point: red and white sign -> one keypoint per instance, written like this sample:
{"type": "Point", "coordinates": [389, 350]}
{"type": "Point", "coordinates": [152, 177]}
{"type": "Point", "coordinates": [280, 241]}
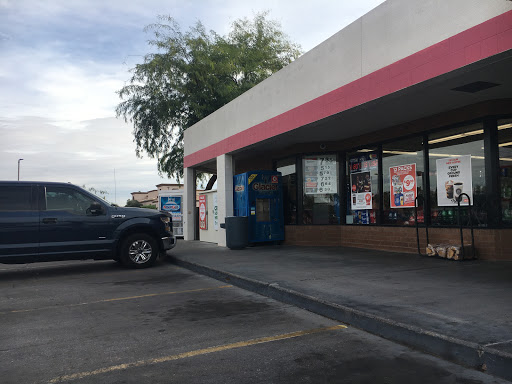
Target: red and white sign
{"type": "Point", "coordinates": [403, 186]}
{"type": "Point", "coordinates": [275, 179]}
{"type": "Point", "coordinates": [203, 213]}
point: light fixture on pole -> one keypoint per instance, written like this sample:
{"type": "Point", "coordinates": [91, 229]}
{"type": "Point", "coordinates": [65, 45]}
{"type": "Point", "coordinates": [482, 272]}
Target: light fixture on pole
{"type": "Point", "coordinates": [19, 169]}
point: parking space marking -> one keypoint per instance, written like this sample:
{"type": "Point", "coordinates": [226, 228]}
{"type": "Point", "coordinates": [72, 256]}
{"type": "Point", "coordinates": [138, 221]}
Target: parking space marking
{"type": "Point", "coordinates": [116, 299]}
{"type": "Point", "coordinates": [197, 352]}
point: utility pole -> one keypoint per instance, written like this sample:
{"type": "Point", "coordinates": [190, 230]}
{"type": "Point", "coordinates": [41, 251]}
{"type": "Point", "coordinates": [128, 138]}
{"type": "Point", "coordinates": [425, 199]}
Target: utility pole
{"type": "Point", "coordinates": [115, 187]}
{"type": "Point", "coordinates": [19, 169]}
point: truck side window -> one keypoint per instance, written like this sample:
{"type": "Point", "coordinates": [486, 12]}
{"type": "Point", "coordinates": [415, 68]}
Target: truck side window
{"type": "Point", "coordinates": [67, 199]}
{"type": "Point", "coordinates": [15, 198]}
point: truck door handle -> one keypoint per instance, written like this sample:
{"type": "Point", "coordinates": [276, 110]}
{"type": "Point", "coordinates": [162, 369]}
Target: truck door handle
{"type": "Point", "coordinates": [52, 220]}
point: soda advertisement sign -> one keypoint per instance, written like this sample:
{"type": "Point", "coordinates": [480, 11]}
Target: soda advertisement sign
{"type": "Point", "coordinates": [172, 204]}
{"type": "Point", "coordinates": [203, 213]}
{"type": "Point", "coordinates": [453, 179]}
{"type": "Point", "coordinates": [404, 186]}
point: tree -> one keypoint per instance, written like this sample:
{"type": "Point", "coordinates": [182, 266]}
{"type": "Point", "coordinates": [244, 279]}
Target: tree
{"type": "Point", "coordinates": [133, 203]}
{"type": "Point", "coordinates": [192, 75]}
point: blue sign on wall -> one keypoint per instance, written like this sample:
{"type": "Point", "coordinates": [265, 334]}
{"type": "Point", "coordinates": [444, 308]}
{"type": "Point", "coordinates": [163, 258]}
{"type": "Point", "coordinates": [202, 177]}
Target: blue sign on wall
{"type": "Point", "coordinates": [171, 204]}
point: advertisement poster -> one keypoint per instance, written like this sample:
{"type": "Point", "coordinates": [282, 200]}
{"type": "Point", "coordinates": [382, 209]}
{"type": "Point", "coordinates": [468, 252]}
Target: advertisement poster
{"type": "Point", "coordinates": [361, 185]}
{"type": "Point", "coordinates": [172, 204]}
{"type": "Point", "coordinates": [215, 213]}
{"type": "Point", "coordinates": [320, 175]}
{"type": "Point", "coordinates": [203, 213]}
{"type": "Point", "coordinates": [454, 178]}
{"type": "Point", "coordinates": [403, 186]}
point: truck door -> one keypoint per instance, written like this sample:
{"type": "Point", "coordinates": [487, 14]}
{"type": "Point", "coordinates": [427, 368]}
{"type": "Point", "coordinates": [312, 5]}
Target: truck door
{"type": "Point", "coordinates": [68, 229]}
{"type": "Point", "coordinates": [19, 221]}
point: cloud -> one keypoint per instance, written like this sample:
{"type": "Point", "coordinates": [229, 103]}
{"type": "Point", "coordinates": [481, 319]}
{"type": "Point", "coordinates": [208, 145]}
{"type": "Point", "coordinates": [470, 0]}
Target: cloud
{"type": "Point", "coordinates": [83, 156]}
{"type": "Point", "coordinates": [63, 61]}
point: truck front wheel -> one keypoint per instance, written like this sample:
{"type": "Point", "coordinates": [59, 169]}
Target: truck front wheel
{"type": "Point", "coordinates": [139, 251]}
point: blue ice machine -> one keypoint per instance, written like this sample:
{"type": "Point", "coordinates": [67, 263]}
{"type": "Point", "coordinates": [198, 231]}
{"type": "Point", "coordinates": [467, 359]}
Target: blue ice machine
{"type": "Point", "coordinates": [259, 195]}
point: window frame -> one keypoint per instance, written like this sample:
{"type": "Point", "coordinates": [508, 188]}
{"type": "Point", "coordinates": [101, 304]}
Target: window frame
{"type": "Point", "coordinates": [491, 161]}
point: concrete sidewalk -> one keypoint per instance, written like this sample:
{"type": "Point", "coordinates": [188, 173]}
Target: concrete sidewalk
{"type": "Point", "coordinates": [461, 311]}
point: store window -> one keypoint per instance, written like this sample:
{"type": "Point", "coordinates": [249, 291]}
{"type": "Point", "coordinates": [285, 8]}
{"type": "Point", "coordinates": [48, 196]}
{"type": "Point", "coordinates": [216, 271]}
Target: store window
{"type": "Point", "coordinates": [457, 171]}
{"type": "Point", "coordinates": [321, 198]}
{"type": "Point", "coordinates": [505, 153]}
{"type": "Point", "coordinates": [362, 186]}
{"type": "Point", "coordinates": [289, 183]}
{"type": "Point", "coordinates": [402, 166]}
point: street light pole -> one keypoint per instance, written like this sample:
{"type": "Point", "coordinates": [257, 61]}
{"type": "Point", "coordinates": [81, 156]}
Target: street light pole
{"type": "Point", "coordinates": [19, 169]}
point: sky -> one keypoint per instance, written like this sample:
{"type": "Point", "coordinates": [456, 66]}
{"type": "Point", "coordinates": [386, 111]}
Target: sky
{"type": "Point", "coordinates": [62, 61]}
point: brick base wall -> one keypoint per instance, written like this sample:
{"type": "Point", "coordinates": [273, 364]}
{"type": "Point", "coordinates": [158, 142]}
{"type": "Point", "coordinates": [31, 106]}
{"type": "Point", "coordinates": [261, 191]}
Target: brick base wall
{"type": "Point", "coordinates": [490, 244]}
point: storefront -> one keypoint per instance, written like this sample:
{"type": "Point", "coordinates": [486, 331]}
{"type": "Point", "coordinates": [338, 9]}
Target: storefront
{"type": "Point", "coordinates": [378, 185]}
{"type": "Point", "coordinates": [369, 124]}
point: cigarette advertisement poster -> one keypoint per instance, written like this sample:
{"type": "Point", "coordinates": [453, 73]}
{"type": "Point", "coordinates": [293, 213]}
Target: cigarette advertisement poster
{"type": "Point", "coordinates": [320, 175]}
{"type": "Point", "coordinates": [203, 216]}
{"type": "Point", "coordinates": [404, 186]}
{"type": "Point", "coordinates": [361, 183]}
{"type": "Point", "coordinates": [454, 178]}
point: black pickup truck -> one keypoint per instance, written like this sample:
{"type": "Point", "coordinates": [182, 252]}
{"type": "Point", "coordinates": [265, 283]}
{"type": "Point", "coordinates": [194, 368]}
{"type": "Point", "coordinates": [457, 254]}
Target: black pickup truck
{"type": "Point", "coordinates": [45, 221]}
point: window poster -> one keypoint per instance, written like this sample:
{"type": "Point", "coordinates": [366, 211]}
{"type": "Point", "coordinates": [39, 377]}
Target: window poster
{"type": "Point", "coordinates": [403, 184]}
{"type": "Point", "coordinates": [361, 183]}
{"type": "Point", "coordinates": [320, 175]}
{"type": "Point", "coordinates": [361, 168]}
{"type": "Point", "coordinates": [453, 179]}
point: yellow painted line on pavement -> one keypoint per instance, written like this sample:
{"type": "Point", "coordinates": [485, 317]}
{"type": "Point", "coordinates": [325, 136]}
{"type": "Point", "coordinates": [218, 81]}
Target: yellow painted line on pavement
{"type": "Point", "coordinates": [116, 299]}
{"type": "Point", "coordinates": [197, 352]}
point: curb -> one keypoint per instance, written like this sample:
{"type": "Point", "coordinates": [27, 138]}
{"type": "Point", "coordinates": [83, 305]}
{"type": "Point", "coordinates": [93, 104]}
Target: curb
{"type": "Point", "coordinates": [468, 354]}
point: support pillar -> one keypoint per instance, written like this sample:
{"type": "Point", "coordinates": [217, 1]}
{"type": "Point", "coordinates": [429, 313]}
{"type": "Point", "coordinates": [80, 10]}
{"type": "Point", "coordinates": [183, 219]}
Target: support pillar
{"type": "Point", "coordinates": [225, 171]}
{"type": "Point", "coordinates": [189, 205]}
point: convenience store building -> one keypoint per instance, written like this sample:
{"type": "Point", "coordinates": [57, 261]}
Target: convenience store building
{"type": "Point", "coordinates": [414, 99]}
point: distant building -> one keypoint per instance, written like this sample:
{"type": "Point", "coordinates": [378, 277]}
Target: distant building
{"type": "Point", "coordinates": [151, 197]}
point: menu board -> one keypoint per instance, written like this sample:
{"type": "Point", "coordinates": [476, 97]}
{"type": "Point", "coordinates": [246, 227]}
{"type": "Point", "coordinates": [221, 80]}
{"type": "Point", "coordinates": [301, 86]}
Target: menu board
{"type": "Point", "coordinates": [403, 186]}
{"type": "Point", "coordinates": [320, 175]}
{"type": "Point", "coordinates": [453, 179]}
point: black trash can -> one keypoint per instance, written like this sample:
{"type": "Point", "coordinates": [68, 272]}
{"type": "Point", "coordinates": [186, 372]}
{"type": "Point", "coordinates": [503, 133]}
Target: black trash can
{"type": "Point", "coordinates": [237, 231]}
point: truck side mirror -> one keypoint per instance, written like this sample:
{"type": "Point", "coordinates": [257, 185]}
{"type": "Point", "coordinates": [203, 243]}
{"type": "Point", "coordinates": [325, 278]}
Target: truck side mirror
{"type": "Point", "coordinates": [95, 208]}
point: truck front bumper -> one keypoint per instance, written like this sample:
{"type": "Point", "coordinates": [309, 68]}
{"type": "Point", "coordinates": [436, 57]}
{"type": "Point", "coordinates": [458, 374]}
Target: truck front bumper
{"type": "Point", "coordinates": [168, 242]}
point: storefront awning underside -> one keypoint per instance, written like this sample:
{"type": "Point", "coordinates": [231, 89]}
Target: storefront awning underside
{"type": "Point", "coordinates": [428, 98]}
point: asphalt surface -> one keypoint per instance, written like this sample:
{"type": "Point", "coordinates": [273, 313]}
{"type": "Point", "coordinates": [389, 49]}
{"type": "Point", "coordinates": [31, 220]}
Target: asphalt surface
{"type": "Point", "coordinates": [97, 322]}
{"type": "Point", "coordinates": [458, 310]}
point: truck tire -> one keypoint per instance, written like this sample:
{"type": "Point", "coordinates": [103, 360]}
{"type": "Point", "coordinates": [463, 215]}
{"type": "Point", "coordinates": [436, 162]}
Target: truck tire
{"type": "Point", "coordinates": [139, 250]}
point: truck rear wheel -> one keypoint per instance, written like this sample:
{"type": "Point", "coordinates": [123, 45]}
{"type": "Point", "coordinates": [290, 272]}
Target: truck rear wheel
{"type": "Point", "coordinates": [139, 251]}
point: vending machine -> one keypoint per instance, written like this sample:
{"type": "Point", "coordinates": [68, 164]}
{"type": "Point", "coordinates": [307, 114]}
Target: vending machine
{"type": "Point", "coordinates": [172, 202]}
{"type": "Point", "coordinates": [259, 195]}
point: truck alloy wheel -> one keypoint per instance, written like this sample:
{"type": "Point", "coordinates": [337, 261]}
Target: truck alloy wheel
{"type": "Point", "coordinates": [139, 251]}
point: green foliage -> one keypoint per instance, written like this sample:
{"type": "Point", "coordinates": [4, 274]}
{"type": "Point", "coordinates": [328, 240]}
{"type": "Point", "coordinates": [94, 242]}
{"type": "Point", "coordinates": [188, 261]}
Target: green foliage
{"type": "Point", "coordinates": [149, 206]}
{"type": "Point", "coordinates": [133, 203]}
{"type": "Point", "coordinates": [192, 75]}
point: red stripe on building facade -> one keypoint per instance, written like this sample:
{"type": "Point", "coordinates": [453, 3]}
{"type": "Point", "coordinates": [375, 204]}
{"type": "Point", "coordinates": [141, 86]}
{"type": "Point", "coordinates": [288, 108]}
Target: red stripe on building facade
{"type": "Point", "coordinates": [477, 43]}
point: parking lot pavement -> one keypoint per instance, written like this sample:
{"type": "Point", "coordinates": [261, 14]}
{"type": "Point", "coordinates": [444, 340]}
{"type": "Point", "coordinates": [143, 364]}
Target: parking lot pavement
{"type": "Point", "coordinates": [91, 322]}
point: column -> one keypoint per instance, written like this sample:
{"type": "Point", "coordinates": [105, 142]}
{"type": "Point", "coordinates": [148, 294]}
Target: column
{"type": "Point", "coordinates": [189, 204]}
{"type": "Point", "coordinates": [224, 193]}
